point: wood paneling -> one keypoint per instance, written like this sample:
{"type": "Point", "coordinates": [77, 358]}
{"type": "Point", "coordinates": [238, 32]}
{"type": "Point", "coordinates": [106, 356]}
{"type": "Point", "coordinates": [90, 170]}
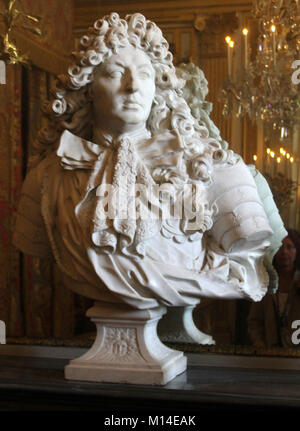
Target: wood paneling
{"type": "Point", "coordinates": [215, 72]}
{"type": "Point", "coordinates": [179, 11]}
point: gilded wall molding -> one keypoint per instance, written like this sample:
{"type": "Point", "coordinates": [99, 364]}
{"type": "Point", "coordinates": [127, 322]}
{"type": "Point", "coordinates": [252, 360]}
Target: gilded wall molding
{"type": "Point", "coordinates": [49, 50]}
{"type": "Point", "coordinates": [161, 12]}
{"type": "Point", "coordinates": [211, 38]}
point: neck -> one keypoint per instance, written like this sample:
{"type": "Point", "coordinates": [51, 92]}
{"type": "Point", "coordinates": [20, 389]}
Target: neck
{"type": "Point", "coordinates": [100, 133]}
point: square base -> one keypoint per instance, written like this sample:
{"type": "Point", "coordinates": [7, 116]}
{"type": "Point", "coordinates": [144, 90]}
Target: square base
{"type": "Point", "coordinates": [127, 349]}
{"type": "Point", "coordinates": [134, 374]}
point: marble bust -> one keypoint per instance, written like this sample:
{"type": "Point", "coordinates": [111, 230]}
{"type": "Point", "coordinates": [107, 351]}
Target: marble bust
{"type": "Point", "coordinates": [139, 205]}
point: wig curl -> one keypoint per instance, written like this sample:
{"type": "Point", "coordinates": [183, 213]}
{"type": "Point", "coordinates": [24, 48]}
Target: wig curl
{"type": "Point", "coordinates": [71, 106]}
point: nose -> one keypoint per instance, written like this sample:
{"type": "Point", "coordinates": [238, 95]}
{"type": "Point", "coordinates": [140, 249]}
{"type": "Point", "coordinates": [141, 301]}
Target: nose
{"type": "Point", "coordinates": [131, 81]}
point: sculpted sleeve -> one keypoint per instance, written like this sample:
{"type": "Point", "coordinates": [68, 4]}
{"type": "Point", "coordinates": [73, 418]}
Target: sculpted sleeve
{"type": "Point", "coordinates": [241, 222]}
{"type": "Point", "coordinates": [30, 233]}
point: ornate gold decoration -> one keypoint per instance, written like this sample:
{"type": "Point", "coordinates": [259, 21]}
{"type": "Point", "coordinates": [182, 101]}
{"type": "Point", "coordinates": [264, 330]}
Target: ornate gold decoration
{"type": "Point", "coordinates": [211, 40]}
{"type": "Point", "coordinates": [12, 18]}
{"type": "Point", "coordinates": [263, 88]}
{"type": "Point", "coordinates": [200, 22]}
{"type": "Point", "coordinates": [282, 188]}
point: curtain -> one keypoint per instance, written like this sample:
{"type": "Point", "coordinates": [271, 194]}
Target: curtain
{"type": "Point", "coordinates": [11, 155]}
{"type": "Point", "coordinates": [46, 302]}
{"type": "Point", "coordinates": [33, 300]}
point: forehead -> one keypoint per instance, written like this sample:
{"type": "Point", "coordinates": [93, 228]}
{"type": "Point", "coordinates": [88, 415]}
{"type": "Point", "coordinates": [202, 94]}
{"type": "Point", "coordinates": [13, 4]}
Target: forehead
{"type": "Point", "coordinates": [128, 56]}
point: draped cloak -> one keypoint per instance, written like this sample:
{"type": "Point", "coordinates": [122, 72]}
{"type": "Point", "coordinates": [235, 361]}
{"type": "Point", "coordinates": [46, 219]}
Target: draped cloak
{"type": "Point", "coordinates": [127, 260]}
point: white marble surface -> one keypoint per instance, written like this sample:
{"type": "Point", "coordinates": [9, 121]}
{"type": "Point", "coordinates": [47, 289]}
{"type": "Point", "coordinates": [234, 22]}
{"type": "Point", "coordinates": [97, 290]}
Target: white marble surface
{"type": "Point", "coordinates": [177, 326]}
{"type": "Point", "coordinates": [138, 198]}
{"type": "Point", "coordinates": [127, 349]}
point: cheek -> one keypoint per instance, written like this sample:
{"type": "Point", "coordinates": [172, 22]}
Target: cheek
{"type": "Point", "coordinates": [106, 101]}
{"type": "Point", "coordinates": [104, 89]}
{"type": "Point", "coordinates": [100, 92]}
{"type": "Point", "coordinates": [293, 255]}
{"type": "Point", "coordinates": [151, 88]}
{"type": "Point", "coordinates": [149, 92]}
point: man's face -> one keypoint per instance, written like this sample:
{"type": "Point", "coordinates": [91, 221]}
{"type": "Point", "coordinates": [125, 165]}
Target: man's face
{"type": "Point", "coordinates": [123, 90]}
{"type": "Point", "coordinates": [286, 255]}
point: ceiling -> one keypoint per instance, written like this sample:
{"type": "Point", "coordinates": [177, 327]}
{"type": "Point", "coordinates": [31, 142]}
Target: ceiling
{"type": "Point", "coordinates": [183, 11]}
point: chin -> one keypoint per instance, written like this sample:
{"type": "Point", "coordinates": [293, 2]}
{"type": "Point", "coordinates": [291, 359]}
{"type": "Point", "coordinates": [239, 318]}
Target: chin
{"type": "Point", "coordinates": [133, 119]}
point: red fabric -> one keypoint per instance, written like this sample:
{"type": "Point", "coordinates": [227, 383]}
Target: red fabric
{"type": "Point", "coordinates": [10, 185]}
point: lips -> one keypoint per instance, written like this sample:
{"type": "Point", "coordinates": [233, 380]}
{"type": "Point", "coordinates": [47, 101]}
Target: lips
{"type": "Point", "coordinates": [132, 103]}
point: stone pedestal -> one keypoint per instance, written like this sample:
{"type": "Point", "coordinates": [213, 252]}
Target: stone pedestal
{"type": "Point", "coordinates": [126, 349]}
{"type": "Point", "coordinates": [178, 326]}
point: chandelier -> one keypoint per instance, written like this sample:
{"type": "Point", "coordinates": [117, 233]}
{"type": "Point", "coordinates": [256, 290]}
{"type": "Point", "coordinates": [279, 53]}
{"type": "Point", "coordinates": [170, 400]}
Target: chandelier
{"type": "Point", "coordinates": [263, 88]}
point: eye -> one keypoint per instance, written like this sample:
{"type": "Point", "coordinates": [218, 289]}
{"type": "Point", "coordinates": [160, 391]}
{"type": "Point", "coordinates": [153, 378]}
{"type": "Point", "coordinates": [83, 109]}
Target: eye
{"type": "Point", "coordinates": [114, 74]}
{"type": "Point", "coordinates": [145, 74]}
